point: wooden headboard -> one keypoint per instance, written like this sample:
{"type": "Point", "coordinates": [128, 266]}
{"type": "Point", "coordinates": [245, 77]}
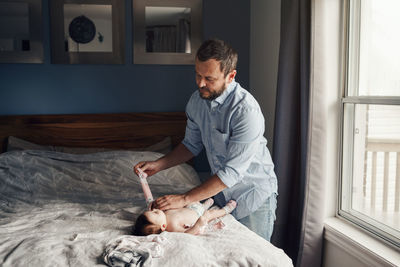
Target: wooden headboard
{"type": "Point", "coordinates": [119, 131]}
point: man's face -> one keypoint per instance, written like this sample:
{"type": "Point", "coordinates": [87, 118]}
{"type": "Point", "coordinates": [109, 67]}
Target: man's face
{"type": "Point", "coordinates": [211, 80]}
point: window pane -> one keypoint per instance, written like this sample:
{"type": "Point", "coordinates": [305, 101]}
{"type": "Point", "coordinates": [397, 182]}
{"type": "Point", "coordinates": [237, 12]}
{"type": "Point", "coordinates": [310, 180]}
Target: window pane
{"type": "Point", "coordinates": [379, 61]}
{"type": "Point", "coordinates": [375, 186]}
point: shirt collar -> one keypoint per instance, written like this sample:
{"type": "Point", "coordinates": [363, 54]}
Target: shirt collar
{"type": "Point", "coordinates": [221, 99]}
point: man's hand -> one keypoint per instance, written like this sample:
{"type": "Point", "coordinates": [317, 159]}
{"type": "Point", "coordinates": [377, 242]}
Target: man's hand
{"type": "Point", "coordinates": [168, 202]}
{"type": "Point", "coordinates": [177, 156]}
{"type": "Point", "coordinates": [149, 167]}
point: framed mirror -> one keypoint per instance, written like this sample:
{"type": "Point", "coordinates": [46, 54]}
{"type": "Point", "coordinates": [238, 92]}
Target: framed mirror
{"type": "Point", "coordinates": [21, 31]}
{"type": "Point", "coordinates": [166, 31]}
{"type": "Point", "coordinates": [87, 31]}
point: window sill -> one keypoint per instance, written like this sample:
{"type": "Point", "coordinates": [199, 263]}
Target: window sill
{"type": "Point", "coordinates": [359, 244]}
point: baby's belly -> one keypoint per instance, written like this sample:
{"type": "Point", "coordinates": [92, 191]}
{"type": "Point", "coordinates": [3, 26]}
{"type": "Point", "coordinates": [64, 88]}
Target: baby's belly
{"type": "Point", "coordinates": [177, 219]}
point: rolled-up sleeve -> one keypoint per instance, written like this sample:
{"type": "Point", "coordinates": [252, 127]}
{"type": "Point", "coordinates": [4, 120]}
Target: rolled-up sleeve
{"type": "Point", "coordinates": [192, 140]}
{"type": "Point", "coordinates": [247, 131]}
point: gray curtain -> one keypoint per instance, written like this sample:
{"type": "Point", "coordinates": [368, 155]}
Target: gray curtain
{"type": "Point", "coordinates": [183, 36]}
{"type": "Point", "coordinates": [292, 128]}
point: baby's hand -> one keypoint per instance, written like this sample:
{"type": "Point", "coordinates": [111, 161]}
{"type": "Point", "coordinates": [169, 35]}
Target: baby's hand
{"type": "Point", "coordinates": [141, 173]}
{"type": "Point", "coordinates": [199, 227]}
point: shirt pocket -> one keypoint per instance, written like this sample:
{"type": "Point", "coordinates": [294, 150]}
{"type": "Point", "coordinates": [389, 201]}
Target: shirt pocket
{"type": "Point", "coordinates": [220, 142]}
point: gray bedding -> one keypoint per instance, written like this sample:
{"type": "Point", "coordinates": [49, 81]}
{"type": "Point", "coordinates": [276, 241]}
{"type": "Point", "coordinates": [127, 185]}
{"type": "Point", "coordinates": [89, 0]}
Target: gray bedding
{"type": "Point", "coordinates": [59, 209]}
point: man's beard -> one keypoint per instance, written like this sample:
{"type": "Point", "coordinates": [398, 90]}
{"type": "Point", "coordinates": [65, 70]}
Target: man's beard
{"type": "Point", "coordinates": [212, 95]}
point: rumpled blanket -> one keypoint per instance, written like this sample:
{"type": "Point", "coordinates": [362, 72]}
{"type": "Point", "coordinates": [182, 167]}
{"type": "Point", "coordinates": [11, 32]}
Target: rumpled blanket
{"type": "Point", "coordinates": [59, 209]}
{"type": "Point", "coordinates": [132, 251]}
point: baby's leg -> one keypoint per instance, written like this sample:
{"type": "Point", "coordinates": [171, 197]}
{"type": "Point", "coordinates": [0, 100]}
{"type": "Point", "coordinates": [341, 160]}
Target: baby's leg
{"type": "Point", "coordinates": [209, 215]}
{"type": "Point", "coordinates": [208, 203]}
{"type": "Point", "coordinates": [230, 206]}
{"type": "Point", "coordinates": [213, 214]}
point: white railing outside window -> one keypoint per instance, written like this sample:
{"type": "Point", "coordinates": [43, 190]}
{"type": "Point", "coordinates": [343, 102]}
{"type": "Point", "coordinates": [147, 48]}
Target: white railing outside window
{"type": "Point", "coordinates": [382, 165]}
{"type": "Point", "coordinates": [370, 177]}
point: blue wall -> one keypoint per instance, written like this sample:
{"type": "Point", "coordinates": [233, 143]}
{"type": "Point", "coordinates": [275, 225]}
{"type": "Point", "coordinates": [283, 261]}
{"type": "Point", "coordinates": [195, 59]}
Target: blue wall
{"type": "Point", "coordinates": [66, 89]}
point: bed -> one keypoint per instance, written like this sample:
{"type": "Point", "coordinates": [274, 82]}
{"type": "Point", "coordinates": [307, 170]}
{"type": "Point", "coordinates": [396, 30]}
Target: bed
{"type": "Point", "coordinates": [69, 197]}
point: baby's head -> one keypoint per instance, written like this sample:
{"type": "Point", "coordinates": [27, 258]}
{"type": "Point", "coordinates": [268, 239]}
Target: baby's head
{"type": "Point", "coordinates": [150, 222]}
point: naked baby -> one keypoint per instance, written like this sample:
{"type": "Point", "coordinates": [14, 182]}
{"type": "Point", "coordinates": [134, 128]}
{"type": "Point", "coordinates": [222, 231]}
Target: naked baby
{"type": "Point", "coordinates": [191, 219]}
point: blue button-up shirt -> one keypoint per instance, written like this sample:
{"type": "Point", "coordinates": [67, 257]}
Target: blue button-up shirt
{"type": "Point", "coordinates": [231, 128]}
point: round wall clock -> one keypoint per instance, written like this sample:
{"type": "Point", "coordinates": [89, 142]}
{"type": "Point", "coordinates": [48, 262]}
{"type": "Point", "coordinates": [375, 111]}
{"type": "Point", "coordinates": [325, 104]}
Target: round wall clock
{"type": "Point", "coordinates": [82, 30]}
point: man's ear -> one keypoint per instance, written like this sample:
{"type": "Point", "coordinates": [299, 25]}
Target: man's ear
{"type": "Point", "coordinates": [231, 76]}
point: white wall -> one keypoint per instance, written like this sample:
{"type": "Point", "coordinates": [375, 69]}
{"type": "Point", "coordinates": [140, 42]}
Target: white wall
{"type": "Point", "coordinates": [264, 53]}
{"type": "Point", "coordinates": [337, 256]}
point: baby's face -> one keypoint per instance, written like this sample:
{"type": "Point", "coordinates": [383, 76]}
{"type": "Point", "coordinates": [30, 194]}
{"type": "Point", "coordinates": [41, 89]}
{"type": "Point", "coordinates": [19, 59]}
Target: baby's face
{"type": "Point", "coordinates": [156, 217]}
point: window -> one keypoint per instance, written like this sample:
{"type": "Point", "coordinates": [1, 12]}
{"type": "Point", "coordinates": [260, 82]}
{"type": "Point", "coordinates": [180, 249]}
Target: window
{"type": "Point", "coordinates": [370, 180]}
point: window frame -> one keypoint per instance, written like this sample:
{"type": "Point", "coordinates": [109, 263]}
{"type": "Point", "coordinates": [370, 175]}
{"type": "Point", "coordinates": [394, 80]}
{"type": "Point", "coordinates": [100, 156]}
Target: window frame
{"type": "Point", "coordinates": [349, 96]}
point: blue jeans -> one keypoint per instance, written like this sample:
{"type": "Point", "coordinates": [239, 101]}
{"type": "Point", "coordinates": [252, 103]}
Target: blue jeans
{"type": "Point", "coordinates": [262, 220]}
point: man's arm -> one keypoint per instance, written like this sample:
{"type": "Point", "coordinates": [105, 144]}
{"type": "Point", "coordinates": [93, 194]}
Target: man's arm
{"type": "Point", "coordinates": [177, 156]}
{"type": "Point", "coordinates": [209, 188]}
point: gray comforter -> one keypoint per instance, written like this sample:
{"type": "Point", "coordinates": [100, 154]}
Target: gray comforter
{"type": "Point", "coordinates": [60, 209]}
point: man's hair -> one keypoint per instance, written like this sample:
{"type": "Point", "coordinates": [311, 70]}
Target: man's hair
{"type": "Point", "coordinates": [220, 51]}
{"type": "Point", "coordinates": [141, 227]}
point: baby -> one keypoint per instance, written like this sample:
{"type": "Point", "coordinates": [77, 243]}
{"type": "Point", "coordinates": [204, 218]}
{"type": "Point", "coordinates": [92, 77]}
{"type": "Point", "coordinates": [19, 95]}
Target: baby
{"type": "Point", "coordinates": [191, 219]}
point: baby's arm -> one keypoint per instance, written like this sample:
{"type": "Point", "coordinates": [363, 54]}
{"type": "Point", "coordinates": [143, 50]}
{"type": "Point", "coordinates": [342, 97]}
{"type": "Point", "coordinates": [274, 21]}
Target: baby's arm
{"type": "Point", "coordinates": [201, 223]}
{"type": "Point", "coordinates": [198, 227]}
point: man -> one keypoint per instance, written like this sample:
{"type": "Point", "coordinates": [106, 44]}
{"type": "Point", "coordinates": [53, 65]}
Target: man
{"type": "Point", "coordinates": [227, 120]}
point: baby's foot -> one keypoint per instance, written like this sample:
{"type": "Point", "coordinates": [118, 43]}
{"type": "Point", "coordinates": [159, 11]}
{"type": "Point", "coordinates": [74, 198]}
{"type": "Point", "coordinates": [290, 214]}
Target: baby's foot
{"type": "Point", "coordinates": [230, 206]}
{"type": "Point", "coordinates": [208, 203]}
